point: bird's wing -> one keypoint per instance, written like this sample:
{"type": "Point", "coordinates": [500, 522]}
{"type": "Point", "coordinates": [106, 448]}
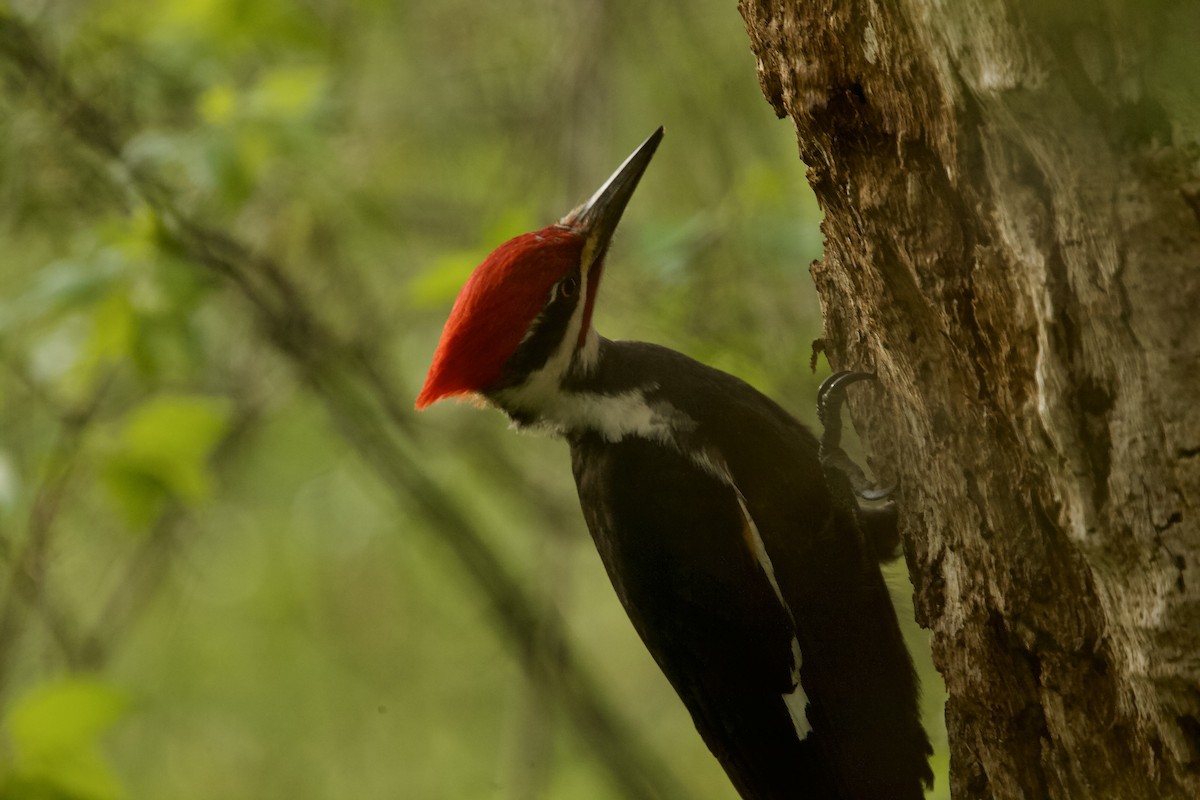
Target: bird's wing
{"type": "Point", "coordinates": [686, 560]}
{"type": "Point", "coordinates": [856, 669]}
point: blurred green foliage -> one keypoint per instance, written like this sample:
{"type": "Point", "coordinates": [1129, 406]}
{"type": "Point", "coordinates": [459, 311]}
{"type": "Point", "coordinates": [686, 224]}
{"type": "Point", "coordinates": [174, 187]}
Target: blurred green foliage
{"type": "Point", "coordinates": [53, 730]}
{"type": "Point", "coordinates": [159, 453]}
{"type": "Point", "coordinates": [204, 592]}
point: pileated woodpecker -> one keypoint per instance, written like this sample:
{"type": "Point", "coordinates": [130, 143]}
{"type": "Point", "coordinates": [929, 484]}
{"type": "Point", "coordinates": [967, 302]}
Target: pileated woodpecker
{"type": "Point", "coordinates": [733, 539]}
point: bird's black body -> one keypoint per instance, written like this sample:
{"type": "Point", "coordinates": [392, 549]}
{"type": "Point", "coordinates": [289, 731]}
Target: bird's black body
{"type": "Point", "coordinates": [700, 601]}
{"type": "Point", "coordinates": [733, 538]}
{"type": "Point", "coordinates": [673, 537]}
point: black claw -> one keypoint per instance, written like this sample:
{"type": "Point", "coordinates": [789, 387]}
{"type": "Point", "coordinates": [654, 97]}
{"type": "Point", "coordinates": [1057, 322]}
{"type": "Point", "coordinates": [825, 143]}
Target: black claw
{"type": "Point", "coordinates": [846, 480]}
{"type": "Point", "coordinates": [830, 397]}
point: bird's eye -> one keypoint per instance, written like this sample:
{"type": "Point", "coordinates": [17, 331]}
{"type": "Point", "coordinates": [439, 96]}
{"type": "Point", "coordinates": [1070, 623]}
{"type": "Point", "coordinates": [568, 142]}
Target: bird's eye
{"type": "Point", "coordinates": [568, 287]}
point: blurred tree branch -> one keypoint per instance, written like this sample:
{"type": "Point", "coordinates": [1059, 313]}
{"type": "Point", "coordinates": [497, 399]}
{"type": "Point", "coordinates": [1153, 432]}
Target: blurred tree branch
{"type": "Point", "coordinates": [144, 573]}
{"type": "Point", "coordinates": [27, 559]}
{"type": "Point", "coordinates": [361, 401]}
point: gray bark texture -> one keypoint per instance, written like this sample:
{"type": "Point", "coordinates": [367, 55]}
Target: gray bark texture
{"type": "Point", "coordinates": [1012, 220]}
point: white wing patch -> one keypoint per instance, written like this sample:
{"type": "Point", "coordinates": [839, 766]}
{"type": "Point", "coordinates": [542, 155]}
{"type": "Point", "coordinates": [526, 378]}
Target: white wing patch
{"type": "Point", "coordinates": [796, 700]}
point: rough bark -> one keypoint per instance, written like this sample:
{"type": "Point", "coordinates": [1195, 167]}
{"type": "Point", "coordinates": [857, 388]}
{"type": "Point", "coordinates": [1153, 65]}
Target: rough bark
{"type": "Point", "coordinates": [1012, 220]}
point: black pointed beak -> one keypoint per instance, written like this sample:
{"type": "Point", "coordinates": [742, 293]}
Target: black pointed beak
{"type": "Point", "coordinates": [598, 217]}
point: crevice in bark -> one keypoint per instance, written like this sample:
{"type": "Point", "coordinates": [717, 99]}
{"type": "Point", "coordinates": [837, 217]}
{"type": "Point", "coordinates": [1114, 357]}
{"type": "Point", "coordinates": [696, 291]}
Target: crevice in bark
{"type": "Point", "coordinates": [1190, 726]}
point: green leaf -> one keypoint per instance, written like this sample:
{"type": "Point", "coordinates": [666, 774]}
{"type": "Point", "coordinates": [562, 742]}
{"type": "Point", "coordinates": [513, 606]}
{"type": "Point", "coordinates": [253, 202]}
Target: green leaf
{"type": "Point", "coordinates": [218, 104]}
{"type": "Point", "coordinates": [54, 731]}
{"type": "Point", "coordinates": [511, 222]}
{"type": "Point", "coordinates": [439, 284]}
{"type": "Point", "coordinates": [113, 328]}
{"type": "Point", "coordinates": [109, 340]}
{"type": "Point", "coordinates": [289, 92]}
{"type": "Point", "coordinates": [62, 716]}
{"type": "Point", "coordinates": [161, 453]}
{"type": "Point", "coordinates": [59, 286]}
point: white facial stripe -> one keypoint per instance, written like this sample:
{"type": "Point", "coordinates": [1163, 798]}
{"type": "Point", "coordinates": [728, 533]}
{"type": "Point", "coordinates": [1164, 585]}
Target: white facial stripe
{"type": "Point", "coordinates": [533, 326]}
{"type": "Point", "coordinates": [588, 258]}
{"type": "Point", "coordinates": [590, 352]}
{"type": "Point", "coordinates": [541, 388]}
{"type": "Point", "coordinates": [591, 343]}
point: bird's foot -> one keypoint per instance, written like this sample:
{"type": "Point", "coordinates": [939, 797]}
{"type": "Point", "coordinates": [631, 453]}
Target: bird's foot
{"type": "Point", "coordinates": [830, 397]}
{"type": "Point", "coordinates": [878, 522]}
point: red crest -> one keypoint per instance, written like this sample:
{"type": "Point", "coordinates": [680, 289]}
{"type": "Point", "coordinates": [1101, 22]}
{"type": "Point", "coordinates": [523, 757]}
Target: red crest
{"type": "Point", "coordinates": [495, 308]}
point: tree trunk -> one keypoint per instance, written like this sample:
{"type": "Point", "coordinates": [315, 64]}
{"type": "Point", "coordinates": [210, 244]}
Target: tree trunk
{"type": "Point", "coordinates": [1012, 222]}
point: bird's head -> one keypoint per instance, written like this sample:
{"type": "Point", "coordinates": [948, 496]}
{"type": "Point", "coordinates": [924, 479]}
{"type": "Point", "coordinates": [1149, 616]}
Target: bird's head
{"type": "Point", "coordinates": [523, 319]}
